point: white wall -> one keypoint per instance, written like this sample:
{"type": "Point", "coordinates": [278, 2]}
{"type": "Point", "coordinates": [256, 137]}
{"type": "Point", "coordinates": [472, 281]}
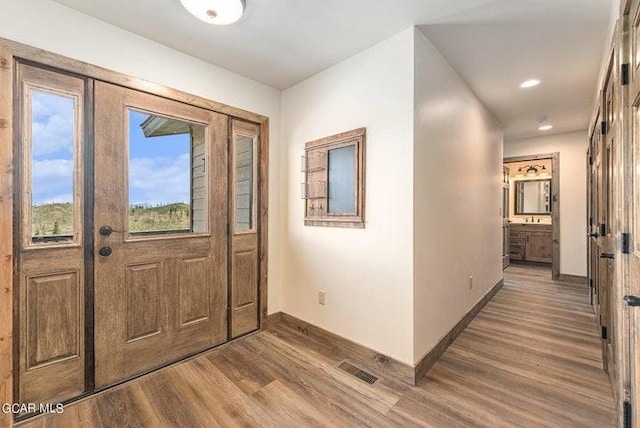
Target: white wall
{"type": "Point", "coordinates": [56, 28]}
{"type": "Point", "coordinates": [572, 147]}
{"type": "Point", "coordinates": [366, 273]}
{"type": "Point", "coordinates": [457, 198]}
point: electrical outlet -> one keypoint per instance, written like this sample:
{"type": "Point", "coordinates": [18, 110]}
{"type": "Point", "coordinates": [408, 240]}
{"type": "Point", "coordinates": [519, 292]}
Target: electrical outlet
{"type": "Point", "coordinates": [322, 297]}
{"type": "Point", "coordinates": [471, 282]}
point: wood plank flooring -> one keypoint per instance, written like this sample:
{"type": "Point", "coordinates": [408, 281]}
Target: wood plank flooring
{"type": "Point", "coordinates": [530, 358]}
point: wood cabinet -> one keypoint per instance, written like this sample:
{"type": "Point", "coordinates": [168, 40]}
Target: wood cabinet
{"type": "Point", "coordinates": [530, 242]}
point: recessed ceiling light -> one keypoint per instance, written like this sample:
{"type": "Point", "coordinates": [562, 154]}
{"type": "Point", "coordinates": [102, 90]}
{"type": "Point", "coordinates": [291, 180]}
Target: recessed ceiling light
{"type": "Point", "coordinates": [545, 127]}
{"type": "Point", "coordinates": [218, 12]}
{"type": "Point", "coordinates": [530, 83]}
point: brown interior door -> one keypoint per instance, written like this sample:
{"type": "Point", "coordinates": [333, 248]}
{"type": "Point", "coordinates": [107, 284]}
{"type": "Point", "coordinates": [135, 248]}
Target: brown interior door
{"type": "Point", "coordinates": [594, 256]}
{"type": "Point", "coordinates": [634, 271]}
{"type": "Point", "coordinates": [605, 243]}
{"type": "Point", "coordinates": [505, 216]}
{"type": "Point", "coordinates": [594, 213]}
{"type": "Point", "coordinates": [50, 243]}
{"type": "Point", "coordinates": [592, 227]}
{"type": "Point", "coordinates": [244, 304]}
{"type": "Point", "coordinates": [160, 231]}
{"type": "Point", "coordinates": [601, 251]}
{"type": "Point", "coordinates": [634, 184]}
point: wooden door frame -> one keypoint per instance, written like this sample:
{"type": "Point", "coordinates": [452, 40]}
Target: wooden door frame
{"type": "Point", "coordinates": [10, 53]}
{"type": "Point", "coordinates": [555, 198]}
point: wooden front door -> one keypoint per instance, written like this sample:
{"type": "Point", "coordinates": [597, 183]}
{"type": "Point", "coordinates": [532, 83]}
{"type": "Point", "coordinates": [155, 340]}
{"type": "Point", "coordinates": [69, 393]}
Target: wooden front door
{"type": "Point", "coordinates": [140, 232]}
{"type": "Point", "coordinates": [160, 235]}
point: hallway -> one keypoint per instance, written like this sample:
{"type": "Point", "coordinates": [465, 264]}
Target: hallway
{"type": "Point", "coordinates": [530, 358]}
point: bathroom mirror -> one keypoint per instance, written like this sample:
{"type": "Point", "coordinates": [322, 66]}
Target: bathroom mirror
{"type": "Point", "coordinates": [533, 197]}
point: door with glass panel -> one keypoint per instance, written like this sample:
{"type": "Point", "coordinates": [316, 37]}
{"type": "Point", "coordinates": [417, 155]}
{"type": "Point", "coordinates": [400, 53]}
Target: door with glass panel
{"type": "Point", "coordinates": [160, 235]}
{"type": "Point", "coordinates": [243, 292]}
{"type": "Point", "coordinates": [137, 232]}
{"type": "Point", "coordinates": [50, 240]}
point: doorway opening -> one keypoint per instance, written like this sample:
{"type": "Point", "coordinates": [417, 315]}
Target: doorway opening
{"type": "Point", "coordinates": [531, 230]}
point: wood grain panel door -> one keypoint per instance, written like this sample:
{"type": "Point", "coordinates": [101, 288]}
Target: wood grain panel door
{"type": "Point", "coordinates": [633, 282]}
{"type": "Point", "coordinates": [160, 231]}
{"type": "Point", "coordinates": [601, 251]}
{"type": "Point", "coordinates": [243, 295]}
{"type": "Point", "coordinates": [505, 217]}
{"type": "Point", "coordinates": [592, 210]}
{"type": "Point", "coordinates": [50, 244]}
{"type": "Point", "coordinates": [604, 168]}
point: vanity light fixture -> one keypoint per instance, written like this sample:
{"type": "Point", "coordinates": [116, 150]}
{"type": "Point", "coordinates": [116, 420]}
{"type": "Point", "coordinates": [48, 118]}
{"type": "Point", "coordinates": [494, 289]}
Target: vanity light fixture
{"type": "Point", "coordinates": [532, 170]}
{"type": "Point", "coordinates": [217, 12]}
{"type": "Point", "coordinates": [530, 83]}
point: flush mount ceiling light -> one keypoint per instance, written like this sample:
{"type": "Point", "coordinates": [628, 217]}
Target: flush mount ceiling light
{"type": "Point", "coordinates": [530, 83]}
{"type": "Point", "coordinates": [218, 12]}
{"type": "Point", "coordinates": [545, 127]}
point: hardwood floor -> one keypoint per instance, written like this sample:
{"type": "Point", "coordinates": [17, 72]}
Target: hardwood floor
{"type": "Point", "coordinates": [530, 358]}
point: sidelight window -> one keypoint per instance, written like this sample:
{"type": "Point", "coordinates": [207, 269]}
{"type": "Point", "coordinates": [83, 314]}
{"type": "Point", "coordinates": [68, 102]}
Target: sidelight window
{"type": "Point", "coordinates": [244, 183]}
{"type": "Point", "coordinates": [52, 202]}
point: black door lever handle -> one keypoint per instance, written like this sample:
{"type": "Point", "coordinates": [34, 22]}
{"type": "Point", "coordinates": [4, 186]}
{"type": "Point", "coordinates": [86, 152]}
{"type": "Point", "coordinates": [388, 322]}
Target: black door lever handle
{"type": "Point", "coordinates": [607, 256]}
{"type": "Point", "coordinates": [106, 230]}
{"type": "Point", "coordinates": [632, 300]}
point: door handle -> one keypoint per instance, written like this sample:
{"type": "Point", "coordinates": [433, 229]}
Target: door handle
{"type": "Point", "coordinates": [105, 251]}
{"type": "Point", "coordinates": [607, 256]}
{"type": "Point", "coordinates": [106, 230]}
{"type": "Point", "coordinates": [632, 300]}
{"type": "Point", "coordinates": [593, 235]}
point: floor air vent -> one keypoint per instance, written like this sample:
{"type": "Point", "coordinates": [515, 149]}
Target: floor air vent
{"type": "Point", "coordinates": [360, 374]}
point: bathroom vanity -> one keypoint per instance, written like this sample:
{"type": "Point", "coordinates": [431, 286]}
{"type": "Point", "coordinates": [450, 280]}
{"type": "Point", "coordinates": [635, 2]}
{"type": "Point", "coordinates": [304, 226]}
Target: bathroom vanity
{"type": "Point", "coordinates": [531, 242]}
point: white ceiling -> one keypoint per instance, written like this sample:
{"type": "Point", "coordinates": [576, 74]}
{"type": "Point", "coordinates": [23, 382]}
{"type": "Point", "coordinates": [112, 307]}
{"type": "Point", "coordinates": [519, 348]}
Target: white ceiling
{"type": "Point", "coordinates": [493, 44]}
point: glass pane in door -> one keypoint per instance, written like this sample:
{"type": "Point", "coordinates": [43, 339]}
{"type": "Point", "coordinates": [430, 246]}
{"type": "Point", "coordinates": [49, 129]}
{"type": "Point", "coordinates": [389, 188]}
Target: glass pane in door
{"type": "Point", "coordinates": [53, 137]}
{"type": "Point", "coordinates": [167, 175]}
{"type": "Point", "coordinates": [244, 182]}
